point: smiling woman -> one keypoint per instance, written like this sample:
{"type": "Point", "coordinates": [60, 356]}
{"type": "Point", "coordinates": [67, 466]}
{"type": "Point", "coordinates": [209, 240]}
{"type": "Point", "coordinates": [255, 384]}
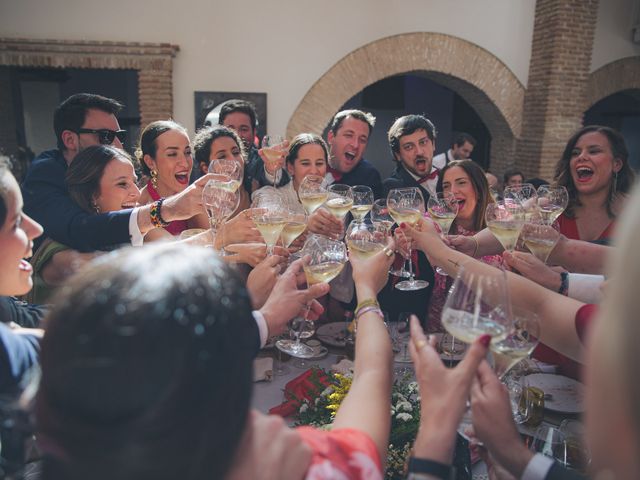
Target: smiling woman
{"type": "Point", "coordinates": [164, 153]}
{"type": "Point", "coordinates": [595, 170]}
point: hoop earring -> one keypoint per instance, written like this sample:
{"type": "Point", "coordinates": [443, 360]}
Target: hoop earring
{"type": "Point", "coordinates": [154, 179]}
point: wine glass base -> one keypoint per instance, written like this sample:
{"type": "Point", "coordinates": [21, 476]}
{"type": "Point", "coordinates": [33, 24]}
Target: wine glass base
{"type": "Point", "coordinates": [441, 271]}
{"type": "Point", "coordinates": [281, 371]}
{"type": "Point", "coordinates": [411, 285]}
{"type": "Point", "coordinates": [298, 350]}
{"type": "Point", "coordinates": [399, 273]}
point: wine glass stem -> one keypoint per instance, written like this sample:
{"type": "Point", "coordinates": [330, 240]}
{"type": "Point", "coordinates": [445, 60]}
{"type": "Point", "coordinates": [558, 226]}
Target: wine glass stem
{"type": "Point", "coordinates": [298, 333]}
{"type": "Point", "coordinates": [410, 265]}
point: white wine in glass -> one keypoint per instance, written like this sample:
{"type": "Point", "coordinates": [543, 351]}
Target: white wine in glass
{"type": "Point", "coordinates": [443, 209]}
{"type": "Point", "coordinates": [505, 220]}
{"type": "Point", "coordinates": [296, 225]}
{"type": "Point", "coordinates": [312, 193]}
{"type": "Point", "coordinates": [365, 239]}
{"type": "Point", "coordinates": [270, 218]}
{"type": "Point", "coordinates": [339, 201]}
{"type": "Point", "coordinates": [227, 174]}
{"type": "Point", "coordinates": [518, 344]}
{"type": "Point", "coordinates": [552, 201]}
{"type": "Point", "coordinates": [362, 201]}
{"type": "Point", "coordinates": [406, 205]}
{"type": "Point", "coordinates": [540, 240]}
{"type": "Point", "coordinates": [274, 149]}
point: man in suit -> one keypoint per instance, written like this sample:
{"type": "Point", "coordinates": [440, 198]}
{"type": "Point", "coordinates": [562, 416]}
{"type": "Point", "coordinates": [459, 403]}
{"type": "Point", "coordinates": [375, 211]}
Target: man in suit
{"type": "Point", "coordinates": [412, 143]}
{"type": "Point", "coordinates": [461, 149]}
{"type": "Point", "coordinates": [80, 121]}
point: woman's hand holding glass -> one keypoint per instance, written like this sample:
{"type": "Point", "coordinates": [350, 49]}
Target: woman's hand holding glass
{"type": "Point", "coordinates": [273, 152]}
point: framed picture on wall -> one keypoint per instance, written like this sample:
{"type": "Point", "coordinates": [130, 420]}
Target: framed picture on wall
{"type": "Point", "coordinates": [205, 102]}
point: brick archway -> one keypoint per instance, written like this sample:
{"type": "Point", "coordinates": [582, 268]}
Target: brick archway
{"type": "Point", "coordinates": [153, 61]}
{"type": "Point", "coordinates": [475, 74]}
{"type": "Point", "coordinates": [614, 77]}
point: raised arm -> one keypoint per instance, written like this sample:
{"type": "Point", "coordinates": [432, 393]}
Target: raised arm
{"type": "Point", "coordinates": [580, 257]}
{"type": "Point", "coordinates": [367, 405]}
{"type": "Point", "coordinates": [557, 312]}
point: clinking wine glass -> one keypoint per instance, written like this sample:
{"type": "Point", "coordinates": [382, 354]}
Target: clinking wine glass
{"type": "Point", "coordinates": [505, 220]}
{"type": "Point", "coordinates": [443, 208]}
{"type": "Point", "coordinates": [339, 200]}
{"type": "Point", "coordinates": [407, 205]}
{"type": "Point", "coordinates": [227, 174]}
{"type": "Point", "coordinates": [540, 239]}
{"type": "Point", "coordinates": [365, 239]}
{"type": "Point", "coordinates": [362, 201]}
{"type": "Point", "coordinates": [270, 218]}
{"type": "Point", "coordinates": [520, 341]}
{"type": "Point", "coordinates": [380, 216]}
{"type": "Point", "coordinates": [552, 201]}
{"type": "Point", "coordinates": [274, 149]}
{"type": "Point", "coordinates": [295, 226]}
{"type": "Point", "coordinates": [324, 260]}
{"type": "Point", "coordinates": [219, 203]}
{"type": "Point", "coordinates": [312, 193]}
{"type": "Point", "coordinates": [526, 195]}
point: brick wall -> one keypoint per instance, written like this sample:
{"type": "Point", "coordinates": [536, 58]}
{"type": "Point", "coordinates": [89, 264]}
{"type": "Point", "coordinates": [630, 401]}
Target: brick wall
{"type": "Point", "coordinates": [556, 95]}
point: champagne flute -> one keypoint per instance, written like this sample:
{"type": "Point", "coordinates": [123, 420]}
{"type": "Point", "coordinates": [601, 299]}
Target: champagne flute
{"type": "Point", "coordinates": [404, 319]}
{"type": "Point", "coordinates": [219, 203]}
{"type": "Point", "coordinates": [380, 216]}
{"type": "Point", "coordinates": [443, 208]}
{"type": "Point", "coordinates": [339, 200]}
{"type": "Point", "coordinates": [273, 147]}
{"type": "Point", "coordinates": [540, 239]}
{"type": "Point", "coordinates": [362, 201]}
{"type": "Point", "coordinates": [407, 205]}
{"type": "Point", "coordinates": [326, 259]}
{"type": "Point", "coordinates": [270, 219]}
{"type": "Point", "coordinates": [505, 220]}
{"type": "Point", "coordinates": [519, 342]}
{"type": "Point", "coordinates": [365, 239]}
{"type": "Point", "coordinates": [552, 201]}
{"type": "Point", "coordinates": [228, 174]}
{"type": "Point", "coordinates": [312, 193]}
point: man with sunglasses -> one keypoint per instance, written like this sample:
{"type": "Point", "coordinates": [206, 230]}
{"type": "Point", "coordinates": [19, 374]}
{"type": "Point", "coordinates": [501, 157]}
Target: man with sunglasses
{"type": "Point", "coordinates": [81, 121]}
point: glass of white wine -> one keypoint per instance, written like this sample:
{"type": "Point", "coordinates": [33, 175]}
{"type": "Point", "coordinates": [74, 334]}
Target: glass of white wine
{"type": "Point", "coordinates": [274, 149]}
{"type": "Point", "coordinates": [324, 260]}
{"type": "Point", "coordinates": [362, 201]}
{"type": "Point", "coordinates": [521, 340]}
{"type": "Point", "coordinates": [526, 195]}
{"type": "Point", "coordinates": [540, 239]}
{"type": "Point", "coordinates": [339, 200]}
{"type": "Point", "coordinates": [365, 239]}
{"type": "Point", "coordinates": [552, 201]}
{"type": "Point", "coordinates": [270, 217]}
{"type": "Point", "coordinates": [380, 216]}
{"type": "Point", "coordinates": [312, 193]}
{"type": "Point", "coordinates": [443, 208]}
{"type": "Point", "coordinates": [407, 205]}
{"type": "Point", "coordinates": [505, 220]}
{"type": "Point", "coordinates": [219, 203]}
{"type": "Point", "coordinates": [227, 174]}
{"type": "Point", "coordinates": [295, 226]}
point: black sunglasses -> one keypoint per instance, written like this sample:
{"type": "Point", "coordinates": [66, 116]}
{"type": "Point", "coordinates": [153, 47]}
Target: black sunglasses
{"type": "Point", "coordinates": [106, 136]}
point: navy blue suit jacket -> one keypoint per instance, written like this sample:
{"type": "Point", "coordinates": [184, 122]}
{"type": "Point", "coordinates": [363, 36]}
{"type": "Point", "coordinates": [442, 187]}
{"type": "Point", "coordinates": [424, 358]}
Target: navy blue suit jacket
{"type": "Point", "coordinates": [47, 201]}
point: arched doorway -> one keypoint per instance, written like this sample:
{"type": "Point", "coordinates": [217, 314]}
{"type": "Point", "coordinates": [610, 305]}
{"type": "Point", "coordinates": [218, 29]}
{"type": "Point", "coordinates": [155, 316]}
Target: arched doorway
{"type": "Point", "coordinates": [613, 99]}
{"type": "Point", "coordinates": [473, 73]}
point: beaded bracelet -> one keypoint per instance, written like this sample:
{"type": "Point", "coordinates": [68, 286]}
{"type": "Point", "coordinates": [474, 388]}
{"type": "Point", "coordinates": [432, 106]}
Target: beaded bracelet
{"type": "Point", "coordinates": [156, 217]}
{"type": "Point", "coordinates": [564, 284]}
{"type": "Point", "coordinates": [353, 327]}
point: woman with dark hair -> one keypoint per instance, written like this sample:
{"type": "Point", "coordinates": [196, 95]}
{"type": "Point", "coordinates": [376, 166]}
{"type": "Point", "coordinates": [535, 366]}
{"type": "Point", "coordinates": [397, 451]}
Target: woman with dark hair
{"type": "Point", "coordinates": [223, 143]}
{"type": "Point", "coordinates": [164, 153]}
{"type": "Point", "coordinates": [595, 170]}
{"type": "Point", "coordinates": [100, 179]}
{"type": "Point", "coordinates": [149, 376]}
{"type": "Point", "coordinates": [467, 182]}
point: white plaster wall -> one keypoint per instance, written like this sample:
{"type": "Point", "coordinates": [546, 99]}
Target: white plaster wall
{"type": "Point", "coordinates": [613, 31]}
{"type": "Point", "coordinates": [280, 47]}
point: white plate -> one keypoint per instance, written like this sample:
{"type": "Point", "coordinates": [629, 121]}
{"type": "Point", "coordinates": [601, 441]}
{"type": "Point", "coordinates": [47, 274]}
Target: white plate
{"type": "Point", "coordinates": [333, 334]}
{"type": "Point", "coordinates": [567, 395]}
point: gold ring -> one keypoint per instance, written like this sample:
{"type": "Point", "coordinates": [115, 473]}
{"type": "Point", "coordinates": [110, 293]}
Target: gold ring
{"type": "Point", "coordinates": [420, 343]}
{"type": "Point", "coordinates": [388, 252]}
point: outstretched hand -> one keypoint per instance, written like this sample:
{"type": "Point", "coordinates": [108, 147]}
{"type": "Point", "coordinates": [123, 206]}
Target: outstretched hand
{"type": "Point", "coordinates": [287, 301]}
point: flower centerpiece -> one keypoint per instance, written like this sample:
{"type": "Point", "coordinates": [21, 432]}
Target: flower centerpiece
{"type": "Point", "coordinates": [319, 411]}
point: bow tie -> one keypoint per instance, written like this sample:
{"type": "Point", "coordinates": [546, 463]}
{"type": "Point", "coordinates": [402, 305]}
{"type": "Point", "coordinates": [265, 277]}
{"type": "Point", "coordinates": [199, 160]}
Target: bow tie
{"type": "Point", "coordinates": [336, 174]}
{"type": "Point", "coordinates": [431, 176]}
